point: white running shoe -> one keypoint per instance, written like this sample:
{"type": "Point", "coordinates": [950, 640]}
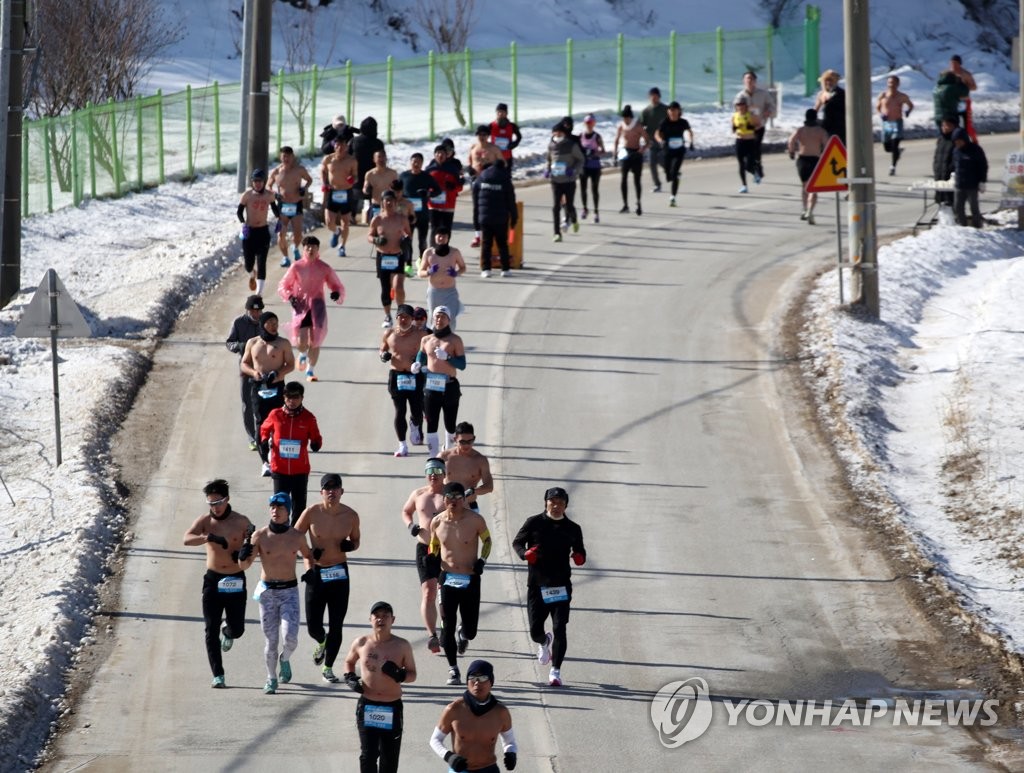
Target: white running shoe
{"type": "Point", "coordinates": [454, 677]}
{"type": "Point", "coordinates": [415, 436]}
{"type": "Point", "coordinates": [803, 215]}
{"type": "Point", "coordinates": [388, 323]}
{"type": "Point", "coordinates": [555, 677]}
{"type": "Point", "coordinates": [433, 444]}
{"type": "Point", "coordinates": [266, 470]}
{"type": "Point", "coordinates": [403, 449]}
{"type": "Point", "coordinates": [506, 273]}
{"type": "Point", "coordinates": [449, 441]}
{"type": "Point", "coordinates": [544, 650]}
{"type": "Point", "coordinates": [743, 189]}
{"type": "Point", "coordinates": [485, 274]}
{"type": "Point", "coordinates": [810, 219]}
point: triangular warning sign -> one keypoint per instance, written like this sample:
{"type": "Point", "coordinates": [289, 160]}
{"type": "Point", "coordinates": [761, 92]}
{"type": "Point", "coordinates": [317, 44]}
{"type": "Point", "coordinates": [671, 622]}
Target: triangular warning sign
{"type": "Point", "coordinates": [830, 173]}
{"type": "Point", "coordinates": [36, 321]}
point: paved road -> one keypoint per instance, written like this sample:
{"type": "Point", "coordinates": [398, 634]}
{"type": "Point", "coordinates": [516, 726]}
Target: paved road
{"type": "Point", "coordinates": [637, 365]}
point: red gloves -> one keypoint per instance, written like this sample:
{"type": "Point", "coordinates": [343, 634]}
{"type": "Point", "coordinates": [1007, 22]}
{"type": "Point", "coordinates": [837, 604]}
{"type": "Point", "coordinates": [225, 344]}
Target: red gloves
{"type": "Point", "coordinates": [350, 179]}
{"type": "Point", "coordinates": [531, 555]}
{"type": "Point", "coordinates": [579, 559]}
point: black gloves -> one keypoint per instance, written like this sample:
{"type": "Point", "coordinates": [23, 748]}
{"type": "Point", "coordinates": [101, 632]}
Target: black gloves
{"type": "Point", "coordinates": [317, 552]}
{"type": "Point", "coordinates": [510, 760]}
{"type": "Point", "coordinates": [217, 540]}
{"type": "Point", "coordinates": [392, 669]}
{"type": "Point", "coordinates": [315, 445]}
{"type": "Point", "coordinates": [415, 529]}
{"type": "Point", "coordinates": [296, 304]}
{"type": "Point", "coordinates": [245, 552]}
{"type": "Point", "coordinates": [309, 575]}
{"type": "Point", "coordinates": [270, 378]}
{"type": "Point", "coordinates": [385, 356]}
{"type": "Point", "coordinates": [456, 762]}
{"type": "Point", "coordinates": [380, 240]}
{"type": "Point", "coordinates": [355, 684]}
{"type": "Point", "coordinates": [347, 545]}
{"type": "Point", "coordinates": [335, 295]}
{"type": "Point", "coordinates": [478, 567]}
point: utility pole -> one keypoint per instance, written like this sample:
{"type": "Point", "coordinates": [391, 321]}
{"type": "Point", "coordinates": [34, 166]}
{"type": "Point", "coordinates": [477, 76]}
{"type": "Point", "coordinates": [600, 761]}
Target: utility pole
{"type": "Point", "coordinates": [259, 86]}
{"type": "Point", "coordinates": [243, 121]}
{"type": "Point", "coordinates": [12, 44]}
{"type": "Point", "coordinates": [863, 244]}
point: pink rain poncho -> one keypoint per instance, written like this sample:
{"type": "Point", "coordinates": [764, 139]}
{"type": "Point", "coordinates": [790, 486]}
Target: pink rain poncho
{"type": "Point", "coordinates": [305, 282]}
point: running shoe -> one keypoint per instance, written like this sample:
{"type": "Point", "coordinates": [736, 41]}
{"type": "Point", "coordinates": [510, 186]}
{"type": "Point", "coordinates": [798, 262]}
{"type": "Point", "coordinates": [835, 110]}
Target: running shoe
{"type": "Point", "coordinates": [388, 323]}
{"type": "Point", "coordinates": [803, 215]}
{"type": "Point", "coordinates": [270, 687]}
{"type": "Point", "coordinates": [757, 179]}
{"type": "Point", "coordinates": [285, 262]}
{"type": "Point", "coordinates": [597, 217]}
{"type": "Point", "coordinates": [218, 682]}
{"type": "Point", "coordinates": [565, 224]}
{"type": "Point", "coordinates": [454, 677]}
{"type": "Point", "coordinates": [302, 361]}
{"type": "Point", "coordinates": [462, 640]}
{"type": "Point", "coordinates": [584, 213]}
{"type": "Point", "coordinates": [253, 445]}
{"type": "Point", "coordinates": [475, 242]}
{"type": "Point", "coordinates": [296, 254]}
{"type": "Point", "coordinates": [310, 375]}
{"type": "Point", "coordinates": [252, 281]}
{"type": "Point", "coordinates": [557, 238]}
{"type": "Point", "coordinates": [810, 219]}
{"type": "Point", "coordinates": [544, 650]}
{"type": "Point", "coordinates": [506, 273]}
{"type": "Point", "coordinates": [415, 435]}
{"type": "Point", "coordinates": [335, 238]}
{"type": "Point", "coordinates": [485, 274]}
{"type": "Point", "coordinates": [286, 671]}
{"type": "Point", "coordinates": [403, 449]}
{"type": "Point", "coordinates": [320, 652]}
{"type": "Point", "coordinates": [555, 677]}
{"type": "Point", "coordinates": [433, 645]}
{"type": "Point", "coordinates": [743, 189]}
{"type": "Point", "coordinates": [266, 470]}
{"type": "Point", "coordinates": [892, 171]}
{"type": "Point", "coordinates": [656, 188]}
{"type": "Point", "coordinates": [410, 271]}
{"type": "Point", "coordinates": [639, 211]}
{"type": "Point", "coordinates": [671, 201]}
{"type": "Point", "coordinates": [341, 251]}
{"type": "Point", "coordinates": [575, 228]}
{"type": "Point", "coordinates": [225, 640]}
{"type": "Point", "coordinates": [329, 676]}
{"type": "Point", "coordinates": [624, 210]}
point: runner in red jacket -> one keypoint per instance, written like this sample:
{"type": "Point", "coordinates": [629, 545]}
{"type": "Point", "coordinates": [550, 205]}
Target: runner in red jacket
{"type": "Point", "coordinates": [292, 428]}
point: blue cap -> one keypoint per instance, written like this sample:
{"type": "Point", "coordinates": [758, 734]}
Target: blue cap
{"type": "Point", "coordinates": [282, 498]}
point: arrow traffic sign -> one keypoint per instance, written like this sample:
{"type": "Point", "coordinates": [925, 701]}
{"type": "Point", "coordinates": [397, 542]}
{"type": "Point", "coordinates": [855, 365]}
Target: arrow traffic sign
{"type": "Point", "coordinates": [830, 172]}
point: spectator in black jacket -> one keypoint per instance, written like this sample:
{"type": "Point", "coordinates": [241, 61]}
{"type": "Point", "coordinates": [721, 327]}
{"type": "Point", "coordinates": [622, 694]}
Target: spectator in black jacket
{"type": "Point", "coordinates": [494, 212]}
{"type": "Point", "coordinates": [942, 161]}
{"type": "Point", "coordinates": [243, 328]}
{"type": "Point", "coordinates": [362, 147]}
{"type": "Point", "coordinates": [335, 130]}
{"type": "Point", "coordinates": [971, 169]}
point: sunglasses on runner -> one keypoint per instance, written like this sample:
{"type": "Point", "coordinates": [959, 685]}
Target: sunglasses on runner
{"type": "Point", "coordinates": [453, 496]}
{"type": "Point", "coordinates": [216, 502]}
{"type": "Point", "coordinates": [478, 678]}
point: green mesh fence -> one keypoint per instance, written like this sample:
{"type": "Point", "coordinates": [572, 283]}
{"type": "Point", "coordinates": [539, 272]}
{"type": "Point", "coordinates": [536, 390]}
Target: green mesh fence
{"type": "Point", "coordinates": [108, 150]}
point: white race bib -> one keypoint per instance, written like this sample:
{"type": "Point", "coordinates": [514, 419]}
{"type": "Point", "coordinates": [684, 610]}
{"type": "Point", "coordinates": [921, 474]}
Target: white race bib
{"type": "Point", "coordinates": [289, 210]}
{"type": "Point", "coordinates": [406, 382]}
{"type": "Point", "coordinates": [382, 717]}
{"type": "Point", "coordinates": [260, 587]}
{"type": "Point", "coordinates": [231, 585]}
{"type": "Point", "coordinates": [339, 197]}
{"type": "Point", "coordinates": [674, 143]}
{"type": "Point", "coordinates": [457, 580]}
{"type": "Point", "coordinates": [439, 200]}
{"type": "Point", "coordinates": [389, 262]}
{"type": "Point", "coordinates": [289, 449]}
{"type": "Point", "coordinates": [554, 595]}
{"type": "Point", "coordinates": [417, 204]}
{"type": "Point", "coordinates": [437, 382]}
{"type": "Point", "coordinates": [502, 143]}
{"type": "Point", "coordinates": [333, 573]}
{"type": "Point", "coordinates": [558, 169]}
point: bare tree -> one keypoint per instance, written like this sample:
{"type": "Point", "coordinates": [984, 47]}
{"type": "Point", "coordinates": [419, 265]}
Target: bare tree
{"type": "Point", "coordinates": [89, 52]}
{"type": "Point", "coordinates": [779, 11]}
{"type": "Point", "coordinates": [300, 35]}
{"type": "Point", "coordinates": [447, 23]}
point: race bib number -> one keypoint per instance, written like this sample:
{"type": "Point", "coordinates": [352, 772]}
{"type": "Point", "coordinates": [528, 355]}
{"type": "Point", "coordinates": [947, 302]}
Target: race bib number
{"type": "Point", "coordinates": [436, 382]}
{"type": "Point", "coordinates": [457, 580]}
{"type": "Point", "coordinates": [382, 717]}
{"type": "Point", "coordinates": [339, 197]}
{"type": "Point", "coordinates": [268, 393]}
{"type": "Point", "coordinates": [260, 587]}
{"type": "Point", "coordinates": [558, 169]}
{"type": "Point", "coordinates": [406, 382]}
{"type": "Point", "coordinates": [333, 573]}
{"type": "Point", "coordinates": [289, 210]}
{"type": "Point", "coordinates": [502, 143]}
{"type": "Point", "coordinates": [231, 585]}
{"type": "Point", "coordinates": [622, 154]}
{"type": "Point", "coordinates": [389, 262]}
{"type": "Point", "coordinates": [417, 205]}
{"type": "Point", "coordinates": [892, 130]}
{"type": "Point", "coordinates": [961, 106]}
{"type": "Point", "coordinates": [674, 143]}
{"type": "Point", "coordinates": [439, 200]}
{"type": "Point", "coordinates": [289, 449]}
{"type": "Point", "coordinates": [554, 595]}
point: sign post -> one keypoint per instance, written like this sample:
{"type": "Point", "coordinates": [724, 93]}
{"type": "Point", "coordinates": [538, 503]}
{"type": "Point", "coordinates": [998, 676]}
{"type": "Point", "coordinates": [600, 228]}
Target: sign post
{"type": "Point", "coordinates": [53, 312]}
{"type": "Point", "coordinates": [830, 175]}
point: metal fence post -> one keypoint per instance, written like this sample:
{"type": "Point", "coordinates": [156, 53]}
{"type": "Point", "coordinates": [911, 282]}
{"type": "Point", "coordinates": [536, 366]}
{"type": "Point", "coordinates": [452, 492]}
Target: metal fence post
{"type": "Point", "coordinates": [24, 173]}
{"type": "Point", "coordinates": [90, 112]}
{"type": "Point", "coordinates": [47, 126]}
{"type": "Point", "coordinates": [160, 133]}
{"type": "Point", "coordinates": [430, 90]}
{"type": "Point", "coordinates": [114, 148]}
{"type": "Point", "coordinates": [390, 84]}
{"type": "Point", "coordinates": [568, 75]}
{"type": "Point", "coordinates": [216, 127]}
{"type": "Point", "coordinates": [188, 132]}
{"type": "Point", "coordinates": [280, 107]}
{"type": "Point", "coordinates": [672, 39]}
{"type": "Point", "coordinates": [720, 63]}
{"type": "Point", "coordinates": [76, 177]}
{"type": "Point", "coordinates": [621, 59]}
{"type": "Point", "coordinates": [138, 142]}
{"type": "Point", "coordinates": [469, 86]}
{"type": "Point", "coordinates": [314, 87]}
{"type": "Point", "coordinates": [515, 82]}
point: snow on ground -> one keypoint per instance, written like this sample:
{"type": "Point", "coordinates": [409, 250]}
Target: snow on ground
{"type": "Point", "coordinates": [922, 400]}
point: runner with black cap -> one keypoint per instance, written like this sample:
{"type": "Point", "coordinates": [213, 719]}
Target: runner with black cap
{"type": "Point", "coordinates": [548, 542]}
{"type": "Point", "coordinates": [453, 549]}
{"type": "Point", "coordinates": [255, 234]}
{"type": "Point", "coordinates": [333, 530]}
{"type": "Point", "coordinates": [277, 592]}
{"type": "Point", "coordinates": [419, 510]}
{"type": "Point", "coordinates": [385, 663]}
{"type": "Point", "coordinates": [267, 359]}
{"type": "Point", "coordinates": [398, 348]}
{"type": "Point", "coordinates": [244, 327]}
{"type": "Point", "coordinates": [475, 721]}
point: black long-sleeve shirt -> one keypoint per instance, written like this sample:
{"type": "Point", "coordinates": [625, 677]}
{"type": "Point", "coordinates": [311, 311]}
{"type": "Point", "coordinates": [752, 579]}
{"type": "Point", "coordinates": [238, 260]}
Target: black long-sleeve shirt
{"type": "Point", "coordinates": [555, 541]}
{"type": "Point", "coordinates": [242, 329]}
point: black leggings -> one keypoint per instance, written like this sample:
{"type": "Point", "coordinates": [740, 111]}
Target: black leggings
{"type": "Point", "coordinates": [568, 191]}
{"type": "Point", "coordinates": [673, 165]}
{"type": "Point", "coordinates": [295, 486]}
{"type": "Point", "coordinates": [405, 401]}
{"type": "Point", "coordinates": [594, 175]}
{"type": "Point", "coordinates": [447, 401]}
{"type": "Point", "coordinates": [633, 162]}
{"type": "Point", "coordinates": [491, 233]}
{"type": "Point", "coordinates": [332, 596]}
{"type": "Point", "coordinates": [537, 612]}
{"type": "Point", "coordinates": [745, 155]}
{"type": "Point", "coordinates": [379, 742]}
{"type": "Point", "coordinates": [216, 605]}
{"type": "Point", "coordinates": [255, 249]}
{"type": "Point", "coordinates": [422, 224]}
{"type": "Point", "coordinates": [261, 408]}
{"type": "Point", "coordinates": [453, 601]}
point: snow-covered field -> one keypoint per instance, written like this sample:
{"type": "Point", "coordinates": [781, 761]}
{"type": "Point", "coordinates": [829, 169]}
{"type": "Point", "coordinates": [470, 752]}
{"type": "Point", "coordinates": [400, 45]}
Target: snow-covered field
{"type": "Point", "coordinates": [927, 393]}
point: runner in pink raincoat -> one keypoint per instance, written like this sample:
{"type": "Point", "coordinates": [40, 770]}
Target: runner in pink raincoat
{"type": "Point", "coordinates": [303, 287]}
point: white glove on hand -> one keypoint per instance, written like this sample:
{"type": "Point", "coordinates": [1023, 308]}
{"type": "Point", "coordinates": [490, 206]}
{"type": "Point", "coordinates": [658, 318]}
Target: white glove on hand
{"type": "Point", "coordinates": [441, 354]}
{"type": "Point", "coordinates": [981, 188]}
{"type": "Point", "coordinates": [416, 368]}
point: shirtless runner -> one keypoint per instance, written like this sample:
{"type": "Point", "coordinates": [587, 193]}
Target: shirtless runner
{"type": "Point", "coordinates": [333, 530]}
{"type": "Point", "coordinates": [442, 265]}
{"type": "Point", "coordinates": [267, 359]}
{"type": "Point", "coordinates": [377, 181]}
{"type": "Point", "coordinates": [475, 721]}
{"type": "Point", "coordinates": [289, 180]}
{"type": "Point", "coordinates": [337, 176]}
{"type": "Point", "coordinates": [398, 348]}
{"type": "Point", "coordinates": [252, 214]}
{"type": "Point", "coordinates": [420, 508]}
{"type": "Point", "coordinates": [467, 466]}
{"type": "Point", "coordinates": [891, 104]}
{"type": "Point", "coordinates": [385, 664]}
{"type": "Point", "coordinates": [453, 539]}
{"type": "Point", "coordinates": [482, 153]}
{"type": "Point", "coordinates": [277, 592]}
{"type": "Point", "coordinates": [222, 531]}
{"type": "Point", "coordinates": [387, 230]}
{"type": "Point", "coordinates": [442, 354]}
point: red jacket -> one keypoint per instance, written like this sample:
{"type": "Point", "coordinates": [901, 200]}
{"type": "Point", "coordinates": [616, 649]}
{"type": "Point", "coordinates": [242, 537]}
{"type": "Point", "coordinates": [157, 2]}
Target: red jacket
{"type": "Point", "coordinates": [448, 176]}
{"type": "Point", "coordinates": [295, 432]}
